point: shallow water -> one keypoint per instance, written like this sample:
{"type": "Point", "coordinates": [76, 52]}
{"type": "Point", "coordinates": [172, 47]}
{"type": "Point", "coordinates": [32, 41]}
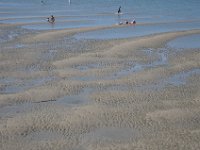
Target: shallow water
{"type": "Point", "coordinates": [8, 34]}
{"type": "Point", "coordinates": [44, 136]}
{"type": "Point", "coordinates": [13, 110]}
{"type": "Point", "coordinates": [13, 85]}
{"type": "Point", "coordinates": [162, 60]}
{"type": "Point", "coordinates": [177, 80]}
{"type": "Point", "coordinates": [137, 31]}
{"type": "Point", "coordinates": [95, 12]}
{"type": "Point", "coordinates": [181, 78]}
{"type": "Point", "coordinates": [192, 41]}
{"type": "Point", "coordinates": [74, 100]}
{"type": "Point", "coordinates": [112, 134]}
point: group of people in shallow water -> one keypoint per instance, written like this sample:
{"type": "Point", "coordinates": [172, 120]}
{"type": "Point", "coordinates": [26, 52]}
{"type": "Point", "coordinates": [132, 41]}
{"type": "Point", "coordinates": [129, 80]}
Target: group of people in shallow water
{"type": "Point", "coordinates": [51, 19]}
{"type": "Point", "coordinates": [126, 21]}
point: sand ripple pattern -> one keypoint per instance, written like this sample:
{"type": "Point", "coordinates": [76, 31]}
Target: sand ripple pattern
{"type": "Point", "coordinates": [58, 92]}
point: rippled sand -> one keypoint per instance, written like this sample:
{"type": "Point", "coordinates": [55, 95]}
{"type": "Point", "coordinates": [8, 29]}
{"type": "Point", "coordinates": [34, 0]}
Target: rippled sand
{"type": "Point", "coordinates": [58, 92]}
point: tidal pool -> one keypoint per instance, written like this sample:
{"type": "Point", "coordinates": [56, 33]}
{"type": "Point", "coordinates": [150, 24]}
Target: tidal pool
{"type": "Point", "coordinates": [112, 134]}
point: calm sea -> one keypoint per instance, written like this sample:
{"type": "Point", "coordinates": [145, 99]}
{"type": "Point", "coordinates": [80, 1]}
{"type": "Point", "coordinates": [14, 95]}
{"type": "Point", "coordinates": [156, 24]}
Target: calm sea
{"type": "Point", "coordinates": [87, 13]}
{"type": "Point", "coordinates": [98, 12]}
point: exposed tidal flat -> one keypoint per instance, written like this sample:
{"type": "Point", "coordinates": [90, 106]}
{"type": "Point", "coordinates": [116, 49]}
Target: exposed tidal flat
{"type": "Point", "coordinates": [60, 91]}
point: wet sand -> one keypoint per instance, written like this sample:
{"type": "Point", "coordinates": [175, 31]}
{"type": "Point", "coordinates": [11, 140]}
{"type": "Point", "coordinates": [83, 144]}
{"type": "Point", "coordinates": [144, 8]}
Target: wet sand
{"type": "Point", "coordinates": [59, 92]}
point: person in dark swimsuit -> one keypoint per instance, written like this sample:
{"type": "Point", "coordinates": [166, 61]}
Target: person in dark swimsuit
{"type": "Point", "coordinates": [52, 19]}
{"type": "Point", "coordinates": [119, 10]}
{"type": "Point", "coordinates": [43, 2]}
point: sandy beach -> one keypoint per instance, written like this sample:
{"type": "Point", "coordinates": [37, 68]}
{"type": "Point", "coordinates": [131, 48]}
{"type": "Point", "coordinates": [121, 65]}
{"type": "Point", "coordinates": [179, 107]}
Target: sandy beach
{"type": "Point", "coordinates": [62, 93]}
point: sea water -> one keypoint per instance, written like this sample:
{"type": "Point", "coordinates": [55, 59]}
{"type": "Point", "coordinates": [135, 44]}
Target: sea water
{"type": "Point", "coordinates": [99, 12]}
{"type": "Point", "coordinates": [32, 14]}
